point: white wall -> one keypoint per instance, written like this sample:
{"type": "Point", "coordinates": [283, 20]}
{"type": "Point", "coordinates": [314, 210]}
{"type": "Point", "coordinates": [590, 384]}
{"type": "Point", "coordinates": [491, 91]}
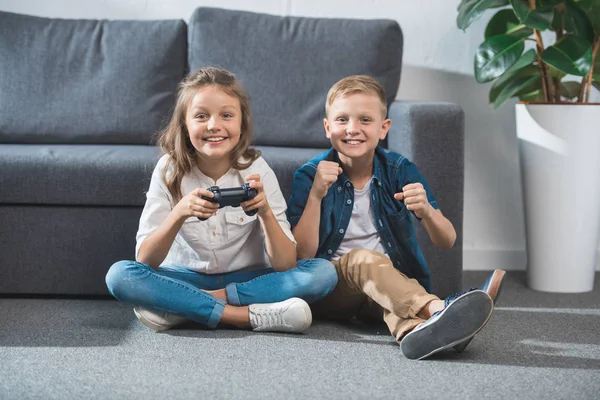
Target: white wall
{"type": "Point", "coordinates": [438, 65]}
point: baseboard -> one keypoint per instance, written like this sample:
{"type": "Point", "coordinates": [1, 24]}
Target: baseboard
{"type": "Point", "coordinates": [509, 260]}
{"type": "Point", "coordinates": [489, 260]}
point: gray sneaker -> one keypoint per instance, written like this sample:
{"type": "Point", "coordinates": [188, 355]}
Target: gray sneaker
{"type": "Point", "coordinates": [492, 287]}
{"type": "Point", "coordinates": [291, 315]}
{"type": "Point", "coordinates": [157, 321]}
{"type": "Point", "coordinates": [461, 318]}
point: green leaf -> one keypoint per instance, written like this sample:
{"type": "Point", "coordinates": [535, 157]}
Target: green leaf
{"type": "Point", "coordinates": [521, 84]}
{"type": "Point", "coordinates": [520, 31]}
{"type": "Point", "coordinates": [536, 95]}
{"type": "Point", "coordinates": [592, 10]}
{"type": "Point", "coordinates": [526, 59]}
{"type": "Point", "coordinates": [570, 89]}
{"type": "Point", "coordinates": [506, 22]}
{"type": "Point", "coordinates": [555, 73]}
{"type": "Point", "coordinates": [571, 55]}
{"type": "Point", "coordinates": [524, 71]}
{"type": "Point", "coordinates": [577, 22]}
{"type": "Point", "coordinates": [470, 10]}
{"type": "Point", "coordinates": [535, 19]}
{"type": "Point", "coordinates": [547, 3]}
{"type": "Point", "coordinates": [496, 55]}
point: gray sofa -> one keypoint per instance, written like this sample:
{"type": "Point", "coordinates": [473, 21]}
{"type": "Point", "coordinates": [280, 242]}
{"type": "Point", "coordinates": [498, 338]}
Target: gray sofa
{"type": "Point", "coordinates": [81, 101]}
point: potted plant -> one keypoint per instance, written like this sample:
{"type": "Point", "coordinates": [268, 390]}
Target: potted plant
{"type": "Point", "coordinates": [546, 54]}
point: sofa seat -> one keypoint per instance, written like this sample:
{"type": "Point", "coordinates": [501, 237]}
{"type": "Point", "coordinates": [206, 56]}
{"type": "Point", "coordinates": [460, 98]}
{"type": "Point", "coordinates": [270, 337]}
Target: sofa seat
{"type": "Point", "coordinates": [91, 175]}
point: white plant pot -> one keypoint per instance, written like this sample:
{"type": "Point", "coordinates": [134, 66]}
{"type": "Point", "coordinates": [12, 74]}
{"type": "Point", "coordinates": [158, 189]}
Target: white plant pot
{"type": "Point", "coordinates": [560, 165]}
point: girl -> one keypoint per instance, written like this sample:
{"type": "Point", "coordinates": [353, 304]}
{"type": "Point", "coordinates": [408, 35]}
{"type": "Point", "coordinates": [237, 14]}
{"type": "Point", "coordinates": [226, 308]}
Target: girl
{"type": "Point", "coordinates": [230, 268]}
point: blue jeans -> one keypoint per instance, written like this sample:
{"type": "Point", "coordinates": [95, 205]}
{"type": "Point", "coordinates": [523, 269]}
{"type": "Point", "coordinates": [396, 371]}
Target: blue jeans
{"type": "Point", "coordinates": [178, 291]}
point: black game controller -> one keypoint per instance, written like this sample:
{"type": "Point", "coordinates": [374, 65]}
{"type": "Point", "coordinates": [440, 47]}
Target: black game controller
{"type": "Point", "coordinates": [231, 197]}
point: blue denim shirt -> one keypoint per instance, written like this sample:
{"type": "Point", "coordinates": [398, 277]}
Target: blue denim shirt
{"type": "Point", "coordinates": [391, 172]}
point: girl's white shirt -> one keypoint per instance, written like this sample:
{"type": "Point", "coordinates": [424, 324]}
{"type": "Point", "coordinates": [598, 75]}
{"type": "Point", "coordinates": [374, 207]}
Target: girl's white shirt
{"type": "Point", "coordinates": [229, 241]}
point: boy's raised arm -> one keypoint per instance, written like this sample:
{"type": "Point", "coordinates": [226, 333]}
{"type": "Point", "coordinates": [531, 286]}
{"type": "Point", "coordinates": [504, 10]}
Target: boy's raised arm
{"type": "Point", "coordinates": [415, 193]}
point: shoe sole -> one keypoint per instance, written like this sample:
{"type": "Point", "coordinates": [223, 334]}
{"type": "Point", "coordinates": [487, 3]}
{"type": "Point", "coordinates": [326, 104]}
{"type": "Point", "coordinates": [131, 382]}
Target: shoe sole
{"type": "Point", "coordinates": [496, 285]}
{"type": "Point", "coordinates": [466, 316]}
{"type": "Point", "coordinates": [494, 292]}
{"type": "Point", "coordinates": [150, 324]}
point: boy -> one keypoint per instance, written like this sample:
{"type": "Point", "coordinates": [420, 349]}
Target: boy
{"type": "Point", "coordinates": [351, 205]}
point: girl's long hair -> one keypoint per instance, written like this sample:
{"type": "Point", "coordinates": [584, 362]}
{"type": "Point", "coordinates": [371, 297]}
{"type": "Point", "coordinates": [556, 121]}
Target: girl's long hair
{"type": "Point", "coordinates": [174, 140]}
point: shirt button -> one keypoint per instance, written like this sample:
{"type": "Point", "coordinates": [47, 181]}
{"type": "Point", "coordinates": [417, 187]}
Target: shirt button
{"type": "Point", "coordinates": [214, 234]}
{"type": "Point", "coordinates": [339, 189]}
{"type": "Point", "coordinates": [341, 231]}
{"type": "Point", "coordinates": [347, 184]}
{"type": "Point", "coordinates": [241, 219]}
{"type": "Point", "coordinates": [329, 251]}
{"type": "Point", "coordinates": [349, 201]}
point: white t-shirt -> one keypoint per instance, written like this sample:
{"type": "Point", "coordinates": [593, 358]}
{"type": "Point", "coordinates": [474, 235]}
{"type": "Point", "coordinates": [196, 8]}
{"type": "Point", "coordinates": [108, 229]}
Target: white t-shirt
{"type": "Point", "coordinates": [361, 232]}
{"type": "Point", "coordinates": [228, 241]}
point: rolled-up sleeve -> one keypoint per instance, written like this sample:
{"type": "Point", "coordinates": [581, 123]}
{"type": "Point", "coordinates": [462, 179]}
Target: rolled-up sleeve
{"type": "Point", "coordinates": [411, 174]}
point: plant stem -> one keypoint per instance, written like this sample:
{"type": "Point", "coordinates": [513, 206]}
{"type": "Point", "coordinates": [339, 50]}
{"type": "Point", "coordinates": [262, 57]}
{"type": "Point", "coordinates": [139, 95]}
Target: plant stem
{"type": "Point", "coordinates": [559, 35]}
{"type": "Point", "coordinates": [539, 47]}
{"type": "Point", "coordinates": [590, 75]}
{"type": "Point", "coordinates": [546, 83]}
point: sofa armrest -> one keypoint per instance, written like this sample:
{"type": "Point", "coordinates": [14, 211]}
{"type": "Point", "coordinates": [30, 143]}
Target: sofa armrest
{"type": "Point", "coordinates": [431, 134]}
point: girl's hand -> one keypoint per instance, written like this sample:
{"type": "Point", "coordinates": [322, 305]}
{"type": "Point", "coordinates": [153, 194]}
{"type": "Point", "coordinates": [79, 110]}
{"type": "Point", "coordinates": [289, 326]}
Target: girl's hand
{"type": "Point", "coordinates": [193, 205]}
{"type": "Point", "coordinates": [415, 199]}
{"type": "Point", "coordinates": [259, 202]}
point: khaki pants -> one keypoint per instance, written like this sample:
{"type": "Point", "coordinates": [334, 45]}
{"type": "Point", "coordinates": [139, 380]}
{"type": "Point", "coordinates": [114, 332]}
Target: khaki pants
{"type": "Point", "coordinates": [370, 286]}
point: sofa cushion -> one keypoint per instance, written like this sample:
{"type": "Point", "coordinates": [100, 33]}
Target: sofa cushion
{"type": "Point", "coordinates": [87, 81]}
{"type": "Point", "coordinates": [287, 64]}
{"type": "Point", "coordinates": [106, 175]}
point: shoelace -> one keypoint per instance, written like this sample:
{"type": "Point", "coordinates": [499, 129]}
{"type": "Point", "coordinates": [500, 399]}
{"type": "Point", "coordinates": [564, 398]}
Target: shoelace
{"type": "Point", "coordinates": [456, 295]}
{"type": "Point", "coordinates": [269, 318]}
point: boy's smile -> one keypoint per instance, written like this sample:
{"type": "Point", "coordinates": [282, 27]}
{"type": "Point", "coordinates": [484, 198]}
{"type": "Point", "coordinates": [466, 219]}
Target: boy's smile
{"type": "Point", "coordinates": [355, 124]}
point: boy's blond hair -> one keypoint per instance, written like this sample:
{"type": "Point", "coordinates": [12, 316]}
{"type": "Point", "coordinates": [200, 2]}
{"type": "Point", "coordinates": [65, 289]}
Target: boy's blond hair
{"type": "Point", "coordinates": [363, 84]}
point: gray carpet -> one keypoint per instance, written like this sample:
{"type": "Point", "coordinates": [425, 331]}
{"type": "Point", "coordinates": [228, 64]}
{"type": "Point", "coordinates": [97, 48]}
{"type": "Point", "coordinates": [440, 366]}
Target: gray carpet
{"type": "Point", "coordinates": [537, 345]}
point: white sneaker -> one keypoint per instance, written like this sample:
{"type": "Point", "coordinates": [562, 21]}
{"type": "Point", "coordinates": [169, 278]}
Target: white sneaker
{"type": "Point", "coordinates": [157, 321]}
{"type": "Point", "coordinates": [291, 315]}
